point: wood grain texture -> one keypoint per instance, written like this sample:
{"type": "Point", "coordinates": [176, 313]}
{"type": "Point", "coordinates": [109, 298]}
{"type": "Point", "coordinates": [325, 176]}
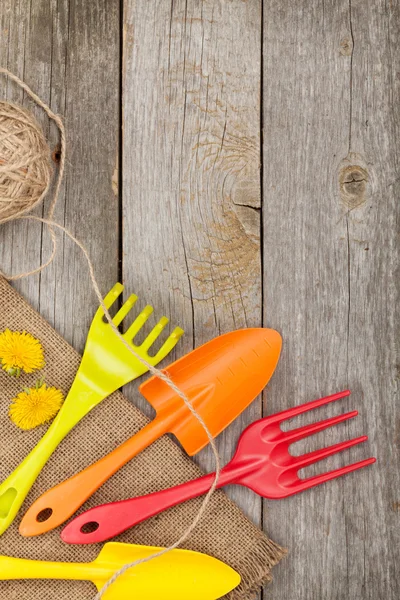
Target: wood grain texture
{"type": "Point", "coordinates": [16, 26]}
{"type": "Point", "coordinates": [195, 232]}
{"type": "Point", "coordinates": [191, 179]}
{"type": "Point", "coordinates": [68, 52]}
{"type": "Point", "coordinates": [330, 256]}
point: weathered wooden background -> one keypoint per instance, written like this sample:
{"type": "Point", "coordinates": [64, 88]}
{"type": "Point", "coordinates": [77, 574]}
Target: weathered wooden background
{"type": "Point", "coordinates": [236, 164]}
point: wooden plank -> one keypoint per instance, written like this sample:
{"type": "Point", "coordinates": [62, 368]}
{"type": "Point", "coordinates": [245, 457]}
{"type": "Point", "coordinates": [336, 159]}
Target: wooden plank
{"type": "Point", "coordinates": [373, 228]}
{"type": "Point", "coordinates": [329, 210]}
{"type": "Point", "coordinates": [191, 182]}
{"type": "Point", "coordinates": [68, 52]}
{"type": "Point", "coordinates": [91, 208]}
{"type": "Point", "coordinates": [14, 54]}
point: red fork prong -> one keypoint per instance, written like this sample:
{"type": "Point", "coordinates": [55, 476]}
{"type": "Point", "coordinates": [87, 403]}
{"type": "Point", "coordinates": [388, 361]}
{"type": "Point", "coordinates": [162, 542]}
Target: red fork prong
{"type": "Point", "coordinates": [294, 435]}
{"type": "Point", "coordinates": [305, 484]}
{"type": "Point", "coordinates": [302, 408]}
{"type": "Point", "coordinates": [299, 462]}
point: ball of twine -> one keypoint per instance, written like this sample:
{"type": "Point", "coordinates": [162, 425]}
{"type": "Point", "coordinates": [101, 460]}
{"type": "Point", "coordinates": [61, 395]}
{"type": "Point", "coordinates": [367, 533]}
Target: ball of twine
{"type": "Point", "coordinates": [25, 167]}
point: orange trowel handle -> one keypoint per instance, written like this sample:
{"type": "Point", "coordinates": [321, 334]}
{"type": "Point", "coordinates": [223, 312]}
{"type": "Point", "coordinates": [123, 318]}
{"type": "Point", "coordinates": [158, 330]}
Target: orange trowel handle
{"type": "Point", "coordinates": [59, 503]}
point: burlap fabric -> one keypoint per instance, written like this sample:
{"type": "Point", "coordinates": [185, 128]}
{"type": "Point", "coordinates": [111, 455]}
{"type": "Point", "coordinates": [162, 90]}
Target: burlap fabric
{"type": "Point", "coordinates": [224, 531]}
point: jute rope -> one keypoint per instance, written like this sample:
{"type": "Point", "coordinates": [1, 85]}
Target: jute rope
{"type": "Point", "coordinates": [23, 169]}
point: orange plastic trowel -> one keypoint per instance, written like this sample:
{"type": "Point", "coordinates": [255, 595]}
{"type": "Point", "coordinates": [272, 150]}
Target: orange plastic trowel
{"type": "Point", "coordinates": [221, 378]}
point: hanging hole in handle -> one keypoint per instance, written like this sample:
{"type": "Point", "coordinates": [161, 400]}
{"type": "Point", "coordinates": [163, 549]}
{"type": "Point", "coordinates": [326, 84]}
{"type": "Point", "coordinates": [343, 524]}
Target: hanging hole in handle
{"type": "Point", "coordinates": [90, 527]}
{"type": "Point", "coordinates": [6, 502]}
{"type": "Point", "coordinates": [44, 515]}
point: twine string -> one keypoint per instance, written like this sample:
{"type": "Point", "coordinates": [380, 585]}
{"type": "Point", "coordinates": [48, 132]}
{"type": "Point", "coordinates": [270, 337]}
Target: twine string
{"type": "Point", "coordinates": [52, 225]}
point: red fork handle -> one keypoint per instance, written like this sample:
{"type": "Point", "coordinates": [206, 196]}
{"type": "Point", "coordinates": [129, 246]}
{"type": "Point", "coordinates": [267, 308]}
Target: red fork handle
{"type": "Point", "coordinates": [108, 520]}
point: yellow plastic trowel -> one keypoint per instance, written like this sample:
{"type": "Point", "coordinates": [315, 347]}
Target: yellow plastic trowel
{"type": "Point", "coordinates": [176, 575]}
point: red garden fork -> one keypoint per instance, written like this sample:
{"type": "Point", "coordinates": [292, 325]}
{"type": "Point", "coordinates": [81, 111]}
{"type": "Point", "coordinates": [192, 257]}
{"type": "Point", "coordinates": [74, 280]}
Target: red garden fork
{"type": "Point", "coordinates": [262, 462]}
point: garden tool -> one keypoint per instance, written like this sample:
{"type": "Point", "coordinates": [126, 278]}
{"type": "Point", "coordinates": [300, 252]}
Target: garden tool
{"type": "Point", "coordinates": [106, 366]}
{"type": "Point", "coordinates": [262, 462]}
{"type": "Point", "coordinates": [220, 378]}
{"type": "Point", "coordinates": [176, 575]}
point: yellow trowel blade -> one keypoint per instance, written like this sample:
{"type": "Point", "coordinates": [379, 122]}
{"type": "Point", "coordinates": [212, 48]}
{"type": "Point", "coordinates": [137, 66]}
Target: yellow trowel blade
{"type": "Point", "coordinates": [177, 575]}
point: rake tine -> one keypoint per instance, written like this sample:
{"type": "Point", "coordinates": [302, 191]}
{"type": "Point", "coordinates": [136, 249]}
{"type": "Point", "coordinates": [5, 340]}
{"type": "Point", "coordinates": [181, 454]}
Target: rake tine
{"type": "Point", "coordinates": [154, 333]}
{"type": "Point", "coordinates": [124, 310]}
{"type": "Point", "coordinates": [302, 408]}
{"type": "Point", "coordinates": [168, 345]}
{"type": "Point", "coordinates": [312, 457]}
{"type": "Point", "coordinates": [109, 300]}
{"type": "Point", "coordinates": [298, 434]}
{"type": "Point", "coordinates": [305, 484]}
{"type": "Point", "coordinates": [139, 322]}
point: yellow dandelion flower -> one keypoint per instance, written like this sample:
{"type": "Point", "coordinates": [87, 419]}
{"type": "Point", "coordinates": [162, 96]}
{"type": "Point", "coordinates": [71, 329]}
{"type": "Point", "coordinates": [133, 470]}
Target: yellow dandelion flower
{"type": "Point", "coordinates": [35, 406]}
{"type": "Point", "coordinates": [20, 351]}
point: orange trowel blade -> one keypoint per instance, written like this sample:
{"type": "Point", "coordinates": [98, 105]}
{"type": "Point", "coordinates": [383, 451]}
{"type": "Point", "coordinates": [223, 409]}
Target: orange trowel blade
{"type": "Point", "coordinates": [220, 379]}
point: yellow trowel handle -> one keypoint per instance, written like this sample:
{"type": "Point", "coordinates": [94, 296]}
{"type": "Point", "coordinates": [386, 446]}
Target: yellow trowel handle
{"type": "Point", "coordinates": [21, 568]}
{"type": "Point", "coordinates": [15, 488]}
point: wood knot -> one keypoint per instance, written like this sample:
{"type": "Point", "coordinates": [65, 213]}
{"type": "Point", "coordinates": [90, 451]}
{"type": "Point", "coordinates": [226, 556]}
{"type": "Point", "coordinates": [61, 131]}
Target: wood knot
{"type": "Point", "coordinates": [56, 154]}
{"type": "Point", "coordinates": [246, 199]}
{"type": "Point", "coordinates": [353, 185]}
{"type": "Point", "coordinates": [346, 47]}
